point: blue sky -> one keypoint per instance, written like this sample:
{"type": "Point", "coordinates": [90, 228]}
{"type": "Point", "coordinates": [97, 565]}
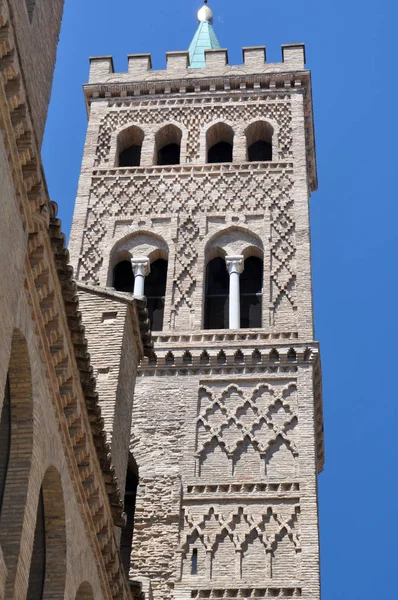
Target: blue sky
{"type": "Point", "coordinates": [351, 51]}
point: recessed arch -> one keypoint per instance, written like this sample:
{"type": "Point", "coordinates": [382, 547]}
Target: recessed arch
{"type": "Point", "coordinates": [128, 146]}
{"type": "Point", "coordinates": [48, 561]}
{"type": "Point", "coordinates": [137, 243]}
{"type": "Point", "coordinates": [142, 244]}
{"type": "Point", "coordinates": [85, 592]}
{"type": "Point", "coordinates": [234, 240]}
{"type": "Point", "coordinates": [168, 145]}
{"type": "Point", "coordinates": [219, 143]}
{"type": "Point", "coordinates": [18, 467]}
{"type": "Point", "coordinates": [259, 136]}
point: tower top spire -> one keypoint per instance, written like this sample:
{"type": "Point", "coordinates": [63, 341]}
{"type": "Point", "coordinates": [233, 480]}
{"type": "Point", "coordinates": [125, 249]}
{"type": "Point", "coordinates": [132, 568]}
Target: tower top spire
{"type": "Point", "coordinates": [204, 38]}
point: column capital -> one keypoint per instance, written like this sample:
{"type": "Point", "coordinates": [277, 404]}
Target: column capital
{"type": "Point", "coordinates": [235, 264]}
{"type": "Point", "coordinates": [141, 265]}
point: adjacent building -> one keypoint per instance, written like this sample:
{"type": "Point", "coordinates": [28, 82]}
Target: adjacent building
{"type": "Point", "coordinates": [62, 479]}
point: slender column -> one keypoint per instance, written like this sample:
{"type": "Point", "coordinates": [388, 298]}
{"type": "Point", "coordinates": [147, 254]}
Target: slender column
{"type": "Point", "coordinates": [141, 268]}
{"type": "Point", "coordinates": [235, 266]}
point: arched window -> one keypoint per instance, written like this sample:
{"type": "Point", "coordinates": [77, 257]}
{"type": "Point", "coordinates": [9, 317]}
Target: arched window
{"type": "Point", "coordinates": [168, 145]}
{"type": "Point", "coordinates": [216, 296]}
{"type": "Point", "coordinates": [123, 278]}
{"type": "Point", "coordinates": [219, 143]}
{"type": "Point", "coordinates": [155, 292]}
{"type": "Point", "coordinates": [259, 141]}
{"type": "Point", "coordinates": [130, 496]}
{"type": "Point", "coordinates": [5, 439]}
{"type": "Point", "coordinates": [129, 144]}
{"type": "Point", "coordinates": [251, 291]}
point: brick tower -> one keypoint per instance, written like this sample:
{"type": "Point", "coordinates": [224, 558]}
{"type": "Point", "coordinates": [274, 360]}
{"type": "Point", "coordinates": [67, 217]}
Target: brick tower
{"type": "Point", "coordinates": [194, 192]}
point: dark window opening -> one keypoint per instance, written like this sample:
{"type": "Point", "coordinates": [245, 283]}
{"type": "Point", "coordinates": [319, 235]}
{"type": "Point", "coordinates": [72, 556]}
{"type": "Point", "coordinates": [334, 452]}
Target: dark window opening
{"type": "Point", "coordinates": [130, 157]}
{"type": "Point", "coordinates": [259, 151]}
{"type": "Point", "coordinates": [220, 153]}
{"type": "Point", "coordinates": [216, 298]}
{"type": "Point", "coordinates": [259, 141]}
{"type": "Point", "coordinates": [169, 155]}
{"type": "Point", "coordinates": [168, 145]}
{"type": "Point", "coordinates": [130, 496]}
{"type": "Point", "coordinates": [251, 284]}
{"type": "Point", "coordinates": [123, 277]}
{"type": "Point", "coordinates": [194, 562]}
{"type": "Point", "coordinates": [155, 292]}
{"type": "Point", "coordinates": [38, 562]}
{"type": "Point", "coordinates": [5, 438]}
{"type": "Point", "coordinates": [219, 143]}
{"type": "Point", "coordinates": [129, 144]}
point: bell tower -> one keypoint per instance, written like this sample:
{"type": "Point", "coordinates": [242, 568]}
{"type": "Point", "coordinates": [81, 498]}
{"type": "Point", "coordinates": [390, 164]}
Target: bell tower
{"type": "Point", "coordinates": [194, 192]}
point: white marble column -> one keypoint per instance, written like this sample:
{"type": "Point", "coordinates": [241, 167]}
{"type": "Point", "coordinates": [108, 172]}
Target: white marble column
{"type": "Point", "coordinates": [141, 268]}
{"type": "Point", "coordinates": [235, 265]}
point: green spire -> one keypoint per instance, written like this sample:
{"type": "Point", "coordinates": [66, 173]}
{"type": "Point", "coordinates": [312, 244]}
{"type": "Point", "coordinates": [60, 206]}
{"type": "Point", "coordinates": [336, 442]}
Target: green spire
{"type": "Point", "coordinates": [204, 38]}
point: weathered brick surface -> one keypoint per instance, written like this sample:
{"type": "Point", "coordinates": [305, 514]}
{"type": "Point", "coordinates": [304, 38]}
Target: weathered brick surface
{"type": "Point", "coordinates": [37, 43]}
{"type": "Point", "coordinates": [57, 439]}
{"type": "Point", "coordinates": [226, 425]}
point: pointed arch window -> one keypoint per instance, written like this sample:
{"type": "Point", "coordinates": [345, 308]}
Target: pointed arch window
{"type": "Point", "coordinates": [259, 141]}
{"type": "Point", "coordinates": [219, 143]}
{"type": "Point", "coordinates": [129, 145]}
{"type": "Point", "coordinates": [168, 145]}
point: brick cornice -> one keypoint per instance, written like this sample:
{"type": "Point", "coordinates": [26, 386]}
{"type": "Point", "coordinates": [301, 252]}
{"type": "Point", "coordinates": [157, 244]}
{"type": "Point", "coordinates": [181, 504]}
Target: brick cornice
{"type": "Point", "coordinates": [52, 295]}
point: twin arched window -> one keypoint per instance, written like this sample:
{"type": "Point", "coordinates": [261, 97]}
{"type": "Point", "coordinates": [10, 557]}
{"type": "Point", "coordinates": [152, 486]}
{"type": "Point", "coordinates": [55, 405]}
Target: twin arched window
{"type": "Point", "coordinates": [217, 292]}
{"type": "Point", "coordinates": [219, 144]}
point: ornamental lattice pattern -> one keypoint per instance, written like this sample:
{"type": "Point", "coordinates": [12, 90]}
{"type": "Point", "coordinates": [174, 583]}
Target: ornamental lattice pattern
{"type": "Point", "coordinates": [262, 537]}
{"type": "Point", "coordinates": [246, 429]}
{"type": "Point", "coordinates": [189, 195]}
{"type": "Point", "coordinates": [196, 114]}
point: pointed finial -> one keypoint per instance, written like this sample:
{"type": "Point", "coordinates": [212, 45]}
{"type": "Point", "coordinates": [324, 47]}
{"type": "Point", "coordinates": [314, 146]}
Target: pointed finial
{"type": "Point", "coordinates": [205, 13]}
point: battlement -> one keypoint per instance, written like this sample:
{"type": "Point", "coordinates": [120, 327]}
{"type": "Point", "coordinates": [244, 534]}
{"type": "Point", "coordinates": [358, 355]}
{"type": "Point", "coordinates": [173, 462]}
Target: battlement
{"type": "Point", "coordinates": [177, 65]}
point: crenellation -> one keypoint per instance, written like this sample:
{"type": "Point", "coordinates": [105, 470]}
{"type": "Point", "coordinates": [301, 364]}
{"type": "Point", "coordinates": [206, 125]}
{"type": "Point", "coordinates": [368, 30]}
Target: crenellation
{"type": "Point", "coordinates": [177, 62]}
{"type": "Point", "coordinates": [100, 67]}
{"type": "Point", "coordinates": [216, 59]}
{"type": "Point", "coordinates": [139, 64]}
{"type": "Point", "coordinates": [254, 56]}
{"type": "Point", "coordinates": [293, 56]}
